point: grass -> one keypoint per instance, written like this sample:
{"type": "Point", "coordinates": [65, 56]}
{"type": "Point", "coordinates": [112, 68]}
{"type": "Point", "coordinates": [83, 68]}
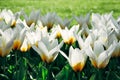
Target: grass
{"type": "Point", "coordinates": [66, 8]}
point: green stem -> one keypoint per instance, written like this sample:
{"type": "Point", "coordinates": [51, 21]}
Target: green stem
{"type": "Point", "coordinates": [78, 75]}
{"type": "Point", "coordinates": [49, 71]}
{"type": "Point", "coordinates": [16, 63]}
{"type": "Point", "coordinates": [4, 59]}
{"type": "Point", "coordinates": [99, 74]}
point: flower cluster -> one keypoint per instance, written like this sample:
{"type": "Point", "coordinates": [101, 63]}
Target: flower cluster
{"type": "Point", "coordinates": [98, 37]}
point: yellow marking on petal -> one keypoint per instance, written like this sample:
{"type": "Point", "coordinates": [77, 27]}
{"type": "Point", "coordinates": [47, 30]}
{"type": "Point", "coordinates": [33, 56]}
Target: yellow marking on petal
{"type": "Point", "coordinates": [86, 34]}
{"type": "Point", "coordinates": [49, 25]}
{"type": "Point", "coordinates": [46, 59]}
{"type": "Point", "coordinates": [1, 52]}
{"type": "Point", "coordinates": [71, 40]}
{"type": "Point", "coordinates": [29, 47]}
{"type": "Point", "coordinates": [41, 27]}
{"type": "Point", "coordinates": [1, 19]}
{"type": "Point", "coordinates": [94, 63]}
{"type": "Point", "coordinates": [23, 49]}
{"type": "Point", "coordinates": [13, 24]}
{"type": "Point", "coordinates": [43, 57]}
{"type": "Point", "coordinates": [50, 60]}
{"type": "Point", "coordinates": [103, 64]}
{"type": "Point", "coordinates": [78, 67]}
{"type": "Point", "coordinates": [58, 35]}
{"type": "Point", "coordinates": [16, 44]}
{"type": "Point", "coordinates": [36, 44]}
{"type": "Point", "coordinates": [30, 22]}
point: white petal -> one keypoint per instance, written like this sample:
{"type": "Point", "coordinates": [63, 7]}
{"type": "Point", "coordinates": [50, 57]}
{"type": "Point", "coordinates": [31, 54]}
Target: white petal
{"type": "Point", "coordinates": [103, 59]}
{"type": "Point", "coordinates": [90, 53]}
{"type": "Point", "coordinates": [98, 48]}
{"type": "Point", "coordinates": [64, 55]}
{"type": "Point", "coordinates": [80, 41]}
{"type": "Point", "coordinates": [43, 48]}
{"type": "Point", "coordinates": [54, 43]}
{"type": "Point", "coordinates": [37, 49]}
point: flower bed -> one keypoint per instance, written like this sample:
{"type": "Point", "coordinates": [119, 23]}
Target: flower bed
{"type": "Point", "coordinates": [47, 47]}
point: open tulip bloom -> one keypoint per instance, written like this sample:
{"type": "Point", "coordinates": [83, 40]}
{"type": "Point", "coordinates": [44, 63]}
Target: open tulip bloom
{"type": "Point", "coordinates": [99, 55]}
{"type": "Point", "coordinates": [47, 49]}
{"type": "Point", "coordinates": [9, 17]}
{"type": "Point", "coordinates": [32, 18]}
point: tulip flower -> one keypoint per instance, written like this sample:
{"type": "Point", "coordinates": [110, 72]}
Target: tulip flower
{"type": "Point", "coordinates": [84, 31]}
{"type": "Point", "coordinates": [20, 37]}
{"type": "Point", "coordinates": [9, 17]}
{"type": "Point", "coordinates": [101, 21]}
{"type": "Point", "coordinates": [68, 35]}
{"type": "Point", "coordinates": [48, 50]}
{"type": "Point", "coordinates": [99, 55]}
{"type": "Point", "coordinates": [77, 58]}
{"type": "Point", "coordinates": [48, 20]}
{"type": "Point", "coordinates": [32, 18]}
{"type": "Point", "coordinates": [55, 32]}
{"type": "Point", "coordinates": [34, 36]}
{"type": "Point", "coordinates": [25, 45]}
{"type": "Point", "coordinates": [7, 38]}
{"type": "Point", "coordinates": [63, 23]}
{"type": "Point", "coordinates": [83, 20]}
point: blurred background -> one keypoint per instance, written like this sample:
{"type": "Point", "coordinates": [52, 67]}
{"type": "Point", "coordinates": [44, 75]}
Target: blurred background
{"type": "Point", "coordinates": [66, 8]}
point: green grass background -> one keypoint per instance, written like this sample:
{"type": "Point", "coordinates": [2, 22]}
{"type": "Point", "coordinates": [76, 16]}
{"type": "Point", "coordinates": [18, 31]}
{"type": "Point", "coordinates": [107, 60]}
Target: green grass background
{"type": "Point", "coordinates": [64, 8]}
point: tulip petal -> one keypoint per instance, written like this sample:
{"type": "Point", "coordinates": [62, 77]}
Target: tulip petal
{"type": "Point", "coordinates": [43, 48]}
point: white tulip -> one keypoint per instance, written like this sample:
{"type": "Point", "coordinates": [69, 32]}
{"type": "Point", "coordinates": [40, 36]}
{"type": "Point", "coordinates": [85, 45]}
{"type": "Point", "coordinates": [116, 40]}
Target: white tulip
{"type": "Point", "coordinates": [77, 58]}
{"type": "Point", "coordinates": [6, 41]}
{"type": "Point", "coordinates": [47, 49]}
{"type": "Point", "coordinates": [99, 55]}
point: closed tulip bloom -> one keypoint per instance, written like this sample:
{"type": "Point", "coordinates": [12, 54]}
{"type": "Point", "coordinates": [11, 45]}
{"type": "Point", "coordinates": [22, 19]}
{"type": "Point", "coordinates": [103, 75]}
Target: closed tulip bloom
{"type": "Point", "coordinates": [19, 38]}
{"type": "Point", "coordinates": [69, 35]}
{"type": "Point", "coordinates": [77, 58]}
{"type": "Point", "coordinates": [55, 32]}
{"type": "Point", "coordinates": [99, 55]}
{"type": "Point", "coordinates": [25, 45]}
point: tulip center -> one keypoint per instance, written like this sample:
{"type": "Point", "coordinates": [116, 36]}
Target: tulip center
{"type": "Point", "coordinates": [17, 44]}
{"type": "Point", "coordinates": [78, 67]}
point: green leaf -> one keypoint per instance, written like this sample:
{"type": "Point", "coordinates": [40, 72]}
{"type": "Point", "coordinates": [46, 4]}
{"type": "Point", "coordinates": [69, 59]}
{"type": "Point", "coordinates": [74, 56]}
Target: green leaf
{"type": "Point", "coordinates": [3, 77]}
{"type": "Point", "coordinates": [64, 74]}
{"type": "Point", "coordinates": [44, 73]}
{"type": "Point", "coordinates": [93, 77]}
